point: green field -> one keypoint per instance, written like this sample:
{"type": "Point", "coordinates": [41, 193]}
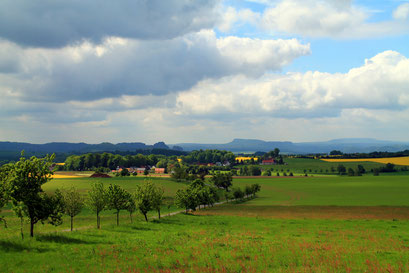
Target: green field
{"type": "Point", "coordinates": [331, 190]}
{"type": "Point", "coordinates": [317, 166]}
{"type": "Point", "coordinates": [301, 224]}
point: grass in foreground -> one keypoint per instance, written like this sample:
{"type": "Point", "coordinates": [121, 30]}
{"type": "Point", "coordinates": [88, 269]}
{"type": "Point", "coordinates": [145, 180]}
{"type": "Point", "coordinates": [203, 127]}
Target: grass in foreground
{"type": "Point", "coordinates": [188, 243]}
{"type": "Point", "coordinates": [337, 224]}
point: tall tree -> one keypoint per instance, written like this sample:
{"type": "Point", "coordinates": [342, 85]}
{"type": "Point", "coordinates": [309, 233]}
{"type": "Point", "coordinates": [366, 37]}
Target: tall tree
{"type": "Point", "coordinates": [24, 183]}
{"type": "Point", "coordinates": [97, 200]}
{"type": "Point", "coordinates": [130, 205]}
{"type": "Point", "coordinates": [117, 199]}
{"type": "Point", "coordinates": [73, 203]}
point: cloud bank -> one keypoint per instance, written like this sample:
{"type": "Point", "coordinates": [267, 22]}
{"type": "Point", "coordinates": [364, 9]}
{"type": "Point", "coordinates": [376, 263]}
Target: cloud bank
{"type": "Point", "coordinates": [381, 83]}
{"type": "Point", "coordinates": [137, 67]}
{"type": "Point", "coordinates": [58, 23]}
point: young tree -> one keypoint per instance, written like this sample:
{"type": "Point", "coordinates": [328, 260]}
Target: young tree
{"type": "Point", "coordinates": [255, 188]}
{"type": "Point", "coordinates": [214, 195]}
{"type": "Point", "coordinates": [187, 198]}
{"type": "Point", "coordinates": [24, 182]}
{"type": "Point", "coordinates": [73, 203]}
{"type": "Point", "coordinates": [144, 196]}
{"type": "Point", "coordinates": [228, 196]}
{"type": "Point", "coordinates": [238, 193]}
{"type": "Point", "coordinates": [248, 190]}
{"type": "Point", "coordinates": [117, 199]}
{"type": "Point", "coordinates": [130, 205]}
{"type": "Point", "coordinates": [222, 180]}
{"type": "Point", "coordinates": [157, 199]}
{"type": "Point", "coordinates": [97, 200]}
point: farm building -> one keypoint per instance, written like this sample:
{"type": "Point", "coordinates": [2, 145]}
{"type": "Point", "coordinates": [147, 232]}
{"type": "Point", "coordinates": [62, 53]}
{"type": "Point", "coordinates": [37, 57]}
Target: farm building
{"type": "Point", "coordinates": [268, 162]}
{"type": "Point", "coordinates": [140, 170]}
{"type": "Point", "coordinates": [159, 170]}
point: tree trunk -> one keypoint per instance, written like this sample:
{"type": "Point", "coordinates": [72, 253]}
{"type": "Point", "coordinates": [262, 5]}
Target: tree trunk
{"type": "Point", "coordinates": [130, 216]}
{"type": "Point", "coordinates": [21, 228]}
{"type": "Point", "coordinates": [146, 218]}
{"type": "Point", "coordinates": [72, 222]}
{"type": "Point", "coordinates": [31, 228]}
{"type": "Point", "coordinates": [98, 226]}
{"type": "Point", "coordinates": [159, 213]}
{"type": "Point", "coordinates": [117, 218]}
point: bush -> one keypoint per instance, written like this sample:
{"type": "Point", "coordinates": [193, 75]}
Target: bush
{"type": "Point", "coordinates": [255, 171]}
{"type": "Point", "coordinates": [125, 172]}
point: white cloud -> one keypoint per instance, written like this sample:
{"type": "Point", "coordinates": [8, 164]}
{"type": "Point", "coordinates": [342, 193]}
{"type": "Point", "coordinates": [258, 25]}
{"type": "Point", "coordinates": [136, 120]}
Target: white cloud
{"type": "Point", "coordinates": [328, 18]}
{"type": "Point", "coordinates": [401, 12]}
{"type": "Point", "coordinates": [232, 18]}
{"type": "Point", "coordinates": [382, 83]}
{"type": "Point", "coordinates": [121, 66]}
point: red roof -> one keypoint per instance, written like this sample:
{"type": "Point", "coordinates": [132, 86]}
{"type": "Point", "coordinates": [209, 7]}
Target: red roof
{"type": "Point", "coordinates": [268, 161]}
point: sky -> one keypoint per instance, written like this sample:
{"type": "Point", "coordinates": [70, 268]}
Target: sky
{"type": "Point", "coordinates": [203, 71]}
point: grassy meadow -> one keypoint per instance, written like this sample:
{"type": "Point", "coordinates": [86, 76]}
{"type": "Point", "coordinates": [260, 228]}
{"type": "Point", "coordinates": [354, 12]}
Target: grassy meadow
{"type": "Point", "coordinates": [322, 167]}
{"type": "Point", "coordinates": [296, 224]}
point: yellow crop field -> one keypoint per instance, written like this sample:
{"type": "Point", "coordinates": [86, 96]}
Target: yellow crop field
{"type": "Point", "coordinates": [404, 161]}
{"type": "Point", "coordinates": [244, 158]}
{"type": "Point", "coordinates": [64, 176]}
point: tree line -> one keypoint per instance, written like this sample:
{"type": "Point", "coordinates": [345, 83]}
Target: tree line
{"type": "Point", "coordinates": [92, 161]}
{"type": "Point", "coordinates": [208, 156]}
{"type": "Point", "coordinates": [375, 154]}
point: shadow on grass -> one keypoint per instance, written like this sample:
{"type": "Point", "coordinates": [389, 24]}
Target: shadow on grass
{"type": "Point", "coordinates": [8, 246]}
{"type": "Point", "coordinates": [167, 221]}
{"type": "Point", "coordinates": [141, 228]}
{"type": "Point", "coordinates": [60, 239]}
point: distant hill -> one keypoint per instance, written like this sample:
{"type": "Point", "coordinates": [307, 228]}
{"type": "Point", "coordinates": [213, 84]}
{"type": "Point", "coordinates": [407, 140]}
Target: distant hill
{"type": "Point", "coordinates": [346, 145]}
{"type": "Point", "coordinates": [11, 150]}
{"type": "Point", "coordinates": [66, 147]}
